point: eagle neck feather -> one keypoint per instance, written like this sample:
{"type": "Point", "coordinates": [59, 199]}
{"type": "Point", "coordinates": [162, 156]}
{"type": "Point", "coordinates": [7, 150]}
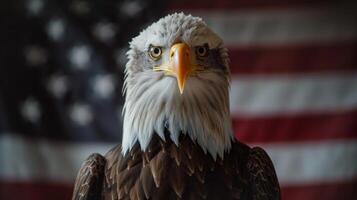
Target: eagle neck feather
{"type": "Point", "coordinates": [201, 112]}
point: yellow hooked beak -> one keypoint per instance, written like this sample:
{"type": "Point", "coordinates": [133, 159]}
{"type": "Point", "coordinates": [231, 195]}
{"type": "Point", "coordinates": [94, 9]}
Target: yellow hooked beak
{"type": "Point", "coordinates": [179, 64]}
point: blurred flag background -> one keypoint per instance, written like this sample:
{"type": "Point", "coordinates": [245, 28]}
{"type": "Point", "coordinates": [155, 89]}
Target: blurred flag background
{"type": "Point", "coordinates": [293, 91]}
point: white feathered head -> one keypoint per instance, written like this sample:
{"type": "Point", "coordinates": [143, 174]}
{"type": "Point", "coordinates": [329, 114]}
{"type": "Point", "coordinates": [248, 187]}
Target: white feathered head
{"type": "Point", "coordinates": [177, 78]}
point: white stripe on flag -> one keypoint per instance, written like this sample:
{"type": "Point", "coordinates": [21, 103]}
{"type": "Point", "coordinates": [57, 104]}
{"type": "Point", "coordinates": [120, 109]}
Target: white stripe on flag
{"type": "Point", "coordinates": [264, 95]}
{"type": "Point", "coordinates": [295, 163]}
{"type": "Point", "coordinates": [272, 27]}
{"type": "Point", "coordinates": [37, 159]}
{"type": "Point", "coordinates": [314, 162]}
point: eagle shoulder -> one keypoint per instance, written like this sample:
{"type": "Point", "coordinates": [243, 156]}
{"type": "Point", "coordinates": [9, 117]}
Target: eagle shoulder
{"type": "Point", "coordinates": [89, 181]}
{"type": "Point", "coordinates": [167, 171]}
{"type": "Point", "coordinates": [121, 174]}
{"type": "Point", "coordinates": [263, 182]}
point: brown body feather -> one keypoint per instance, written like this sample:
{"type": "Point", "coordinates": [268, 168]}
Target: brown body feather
{"type": "Point", "coordinates": [167, 171]}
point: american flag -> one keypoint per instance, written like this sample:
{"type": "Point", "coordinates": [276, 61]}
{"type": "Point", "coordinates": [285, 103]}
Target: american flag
{"type": "Point", "coordinates": [293, 90]}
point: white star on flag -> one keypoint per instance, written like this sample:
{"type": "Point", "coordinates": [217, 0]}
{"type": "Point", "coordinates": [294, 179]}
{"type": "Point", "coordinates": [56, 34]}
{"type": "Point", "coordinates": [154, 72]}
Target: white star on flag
{"type": "Point", "coordinates": [79, 56]}
{"type": "Point", "coordinates": [30, 110]}
{"type": "Point", "coordinates": [35, 55]}
{"type": "Point", "coordinates": [131, 8]}
{"type": "Point", "coordinates": [56, 28]}
{"type": "Point", "coordinates": [120, 57]}
{"type": "Point", "coordinates": [81, 114]}
{"type": "Point", "coordinates": [103, 85]}
{"type": "Point", "coordinates": [58, 85]}
{"type": "Point", "coordinates": [80, 7]}
{"type": "Point", "coordinates": [34, 7]}
{"type": "Point", "coordinates": [104, 31]}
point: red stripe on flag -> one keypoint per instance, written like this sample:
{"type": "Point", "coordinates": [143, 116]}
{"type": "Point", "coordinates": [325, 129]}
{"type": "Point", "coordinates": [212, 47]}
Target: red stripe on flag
{"type": "Point", "coordinates": [240, 5]}
{"type": "Point", "coordinates": [294, 59]}
{"type": "Point", "coordinates": [326, 191]}
{"type": "Point", "coordinates": [309, 127]}
{"type": "Point", "coordinates": [56, 191]}
{"type": "Point", "coordinates": [35, 190]}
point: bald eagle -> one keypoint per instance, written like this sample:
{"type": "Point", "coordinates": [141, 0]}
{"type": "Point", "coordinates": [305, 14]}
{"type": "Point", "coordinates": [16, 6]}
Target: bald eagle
{"type": "Point", "coordinates": [177, 136]}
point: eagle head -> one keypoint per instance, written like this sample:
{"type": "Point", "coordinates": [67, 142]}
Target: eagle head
{"type": "Point", "coordinates": [177, 78]}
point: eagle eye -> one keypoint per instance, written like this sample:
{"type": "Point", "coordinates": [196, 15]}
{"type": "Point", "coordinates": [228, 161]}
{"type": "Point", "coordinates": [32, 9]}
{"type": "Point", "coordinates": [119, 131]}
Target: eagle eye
{"type": "Point", "coordinates": [202, 51]}
{"type": "Point", "coordinates": [155, 52]}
